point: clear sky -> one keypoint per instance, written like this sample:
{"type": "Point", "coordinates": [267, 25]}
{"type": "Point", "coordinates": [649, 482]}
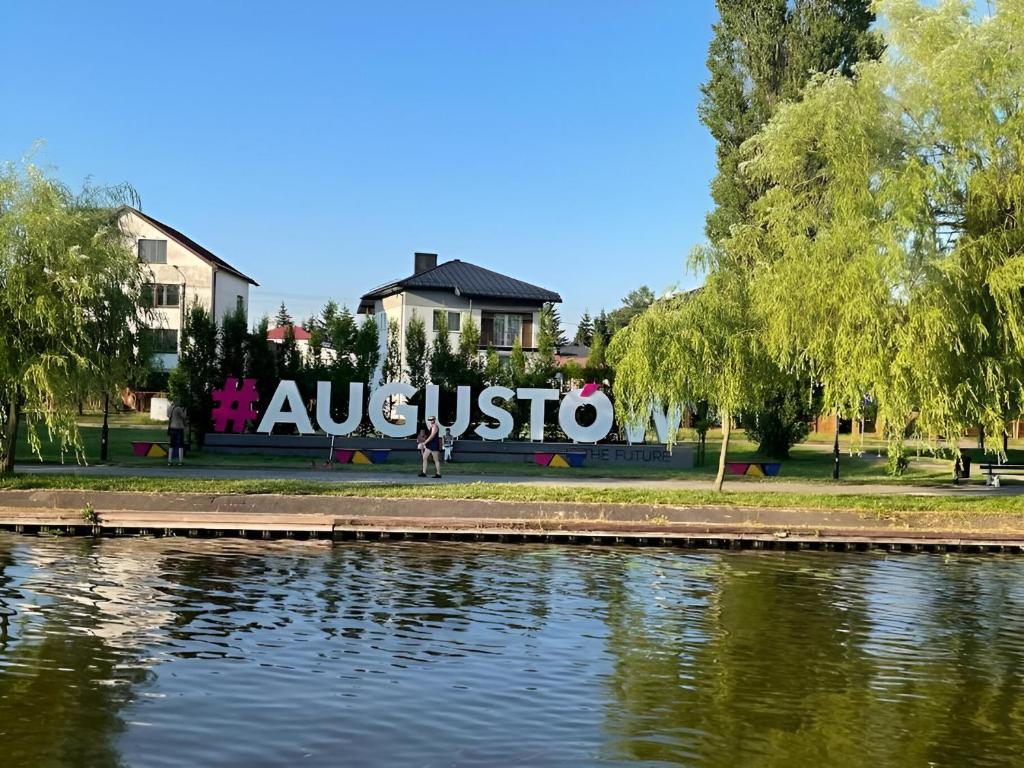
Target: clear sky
{"type": "Point", "coordinates": [317, 145]}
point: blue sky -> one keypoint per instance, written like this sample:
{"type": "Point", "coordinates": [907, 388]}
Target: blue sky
{"type": "Point", "coordinates": [316, 146]}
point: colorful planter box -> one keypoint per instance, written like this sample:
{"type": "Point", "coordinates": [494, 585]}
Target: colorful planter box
{"type": "Point", "coordinates": [560, 461]}
{"type": "Point", "coordinates": [142, 448]}
{"type": "Point", "coordinates": [753, 469]}
{"type": "Point", "coordinates": [364, 456]}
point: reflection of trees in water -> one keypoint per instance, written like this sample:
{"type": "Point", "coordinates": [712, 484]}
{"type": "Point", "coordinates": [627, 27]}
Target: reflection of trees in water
{"type": "Point", "coordinates": [781, 661]}
{"type": "Point", "coordinates": [63, 685]}
{"type": "Point", "coordinates": [7, 597]}
{"type": "Point", "coordinates": [420, 589]}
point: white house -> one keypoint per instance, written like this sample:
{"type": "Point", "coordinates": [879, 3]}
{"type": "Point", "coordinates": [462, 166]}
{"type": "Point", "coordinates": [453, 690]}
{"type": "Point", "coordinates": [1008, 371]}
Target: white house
{"type": "Point", "coordinates": [183, 272]}
{"type": "Point", "coordinates": [504, 309]}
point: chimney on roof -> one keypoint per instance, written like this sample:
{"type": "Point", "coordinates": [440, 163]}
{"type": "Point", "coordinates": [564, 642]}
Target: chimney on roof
{"type": "Point", "coordinates": [424, 261]}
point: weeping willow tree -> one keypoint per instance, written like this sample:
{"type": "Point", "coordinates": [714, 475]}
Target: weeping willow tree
{"type": "Point", "coordinates": [67, 276]}
{"type": "Point", "coordinates": [700, 347]}
{"type": "Point", "coordinates": [888, 248]}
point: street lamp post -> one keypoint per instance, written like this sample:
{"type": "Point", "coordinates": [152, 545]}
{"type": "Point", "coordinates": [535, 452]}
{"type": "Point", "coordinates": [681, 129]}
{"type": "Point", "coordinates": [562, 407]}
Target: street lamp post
{"type": "Point", "coordinates": [835, 451]}
{"type": "Point", "coordinates": [105, 431]}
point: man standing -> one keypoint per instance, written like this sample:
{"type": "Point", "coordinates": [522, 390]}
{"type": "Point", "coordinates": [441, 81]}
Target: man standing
{"type": "Point", "coordinates": [176, 431]}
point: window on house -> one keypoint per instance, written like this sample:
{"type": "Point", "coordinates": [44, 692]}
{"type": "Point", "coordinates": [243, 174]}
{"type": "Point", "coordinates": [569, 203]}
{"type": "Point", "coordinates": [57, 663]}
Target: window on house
{"type": "Point", "coordinates": [167, 295]}
{"type": "Point", "coordinates": [161, 294]}
{"type": "Point", "coordinates": [454, 320]}
{"type": "Point", "coordinates": [153, 251]}
{"type": "Point", "coordinates": [240, 304]}
{"type": "Point", "coordinates": [161, 341]}
{"type": "Point", "coordinates": [507, 329]}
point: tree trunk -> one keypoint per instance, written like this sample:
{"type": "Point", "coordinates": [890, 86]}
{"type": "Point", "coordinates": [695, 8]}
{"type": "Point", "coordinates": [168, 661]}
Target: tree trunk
{"type": "Point", "coordinates": [9, 437]}
{"type": "Point", "coordinates": [720, 477]}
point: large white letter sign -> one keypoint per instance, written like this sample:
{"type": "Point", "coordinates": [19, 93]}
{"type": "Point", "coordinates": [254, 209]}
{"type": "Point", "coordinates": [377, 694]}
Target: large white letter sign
{"type": "Point", "coordinates": [537, 398]}
{"type": "Point", "coordinates": [462, 408]}
{"type": "Point", "coordinates": [286, 392]}
{"type": "Point", "coordinates": [572, 402]}
{"type": "Point", "coordinates": [323, 409]}
{"type": "Point", "coordinates": [496, 412]}
{"type": "Point", "coordinates": [664, 422]}
{"type": "Point", "coordinates": [377, 400]}
{"type": "Point", "coordinates": [667, 422]}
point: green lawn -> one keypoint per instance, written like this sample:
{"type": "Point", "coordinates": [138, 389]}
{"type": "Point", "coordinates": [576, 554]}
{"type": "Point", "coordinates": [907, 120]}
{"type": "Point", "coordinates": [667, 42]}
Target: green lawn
{"type": "Point", "coordinates": [810, 461]}
{"type": "Point", "coordinates": [879, 505]}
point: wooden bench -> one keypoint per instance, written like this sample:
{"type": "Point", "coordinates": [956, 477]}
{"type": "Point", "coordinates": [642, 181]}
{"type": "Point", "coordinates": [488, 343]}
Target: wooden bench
{"type": "Point", "coordinates": [995, 470]}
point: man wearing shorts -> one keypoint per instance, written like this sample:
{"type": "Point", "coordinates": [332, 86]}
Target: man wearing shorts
{"type": "Point", "coordinates": [431, 448]}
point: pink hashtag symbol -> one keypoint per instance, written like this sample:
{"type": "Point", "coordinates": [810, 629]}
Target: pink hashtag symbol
{"type": "Point", "coordinates": [235, 405]}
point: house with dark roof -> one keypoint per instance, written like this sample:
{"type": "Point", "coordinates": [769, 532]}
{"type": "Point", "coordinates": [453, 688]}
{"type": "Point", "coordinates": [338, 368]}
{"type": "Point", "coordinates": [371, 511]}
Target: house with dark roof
{"type": "Point", "coordinates": [504, 308]}
{"type": "Point", "coordinates": [182, 272]}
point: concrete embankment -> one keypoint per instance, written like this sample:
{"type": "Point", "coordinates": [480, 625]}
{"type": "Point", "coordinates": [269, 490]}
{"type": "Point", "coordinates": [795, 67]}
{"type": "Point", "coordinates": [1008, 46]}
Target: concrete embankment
{"type": "Point", "coordinates": [339, 517]}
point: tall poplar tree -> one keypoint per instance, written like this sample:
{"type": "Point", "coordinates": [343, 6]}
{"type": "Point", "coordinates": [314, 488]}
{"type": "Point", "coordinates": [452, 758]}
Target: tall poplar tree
{"type": "Point", "coordinates": [762, 54]}
{"type": "Point", "coordinates": [417, 353]}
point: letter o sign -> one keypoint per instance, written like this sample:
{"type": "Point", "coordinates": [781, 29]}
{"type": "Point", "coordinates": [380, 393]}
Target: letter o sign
{"type": "Point", "coordinates": [572, 402]}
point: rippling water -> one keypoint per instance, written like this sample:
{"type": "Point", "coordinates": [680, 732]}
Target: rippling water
{"type": "Point", "coordinates": [187, 653]}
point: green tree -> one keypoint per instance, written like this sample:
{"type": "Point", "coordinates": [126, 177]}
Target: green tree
{"type": "Point", "coordinates": [233, 334]}
{"type": "Point", "coordinates": [124, 355]}
{"type": "Point", "coordinates": [601, 326]}
{"type": "Point", "coordinates": [495, 373]}
{"type": "Point", "coordinates": [62, 258]}
{"type": "Point", "coordinates": [584, 330]}
{"type": "Point", "coordinates": [289, 358]}
{"type": "Point", "coordinates": [192, 382]}
{"type": "Point", "coordinates": [469, 342]}
{"type": "Point", "coordinates": [783, 420]}
{"type": "Point", "coordinates": [697, 349]}
{"type": "Point", "coordinates": [283, 317]}
{"type": "Point", "coordinates": [761, 55]}
{"type": "Point", "coordinates": [341, 330]}
{"type": "Point", "coordinates": [261, 360]}
{"type": "Point", "coordinates": [517, 364]}
{"type": "Point", "coordinates": [444, 364]}
{"type": "Point", "coordinates": [367, 353]}
{"type": "Point", "coordinates": [597, 353]}
{"type": "Point", "coordinates": [417, 353]}
{"type": "Point", "coordinates": [392, 370]}
{"type": "Point", "coordinates": [634, 303]}
{"type": "Point", "coordinates": [890, 230]}
{"type": "Point", "coordinates": [543, 364]}
{"type": "Point", "coordinates": [551, 323]}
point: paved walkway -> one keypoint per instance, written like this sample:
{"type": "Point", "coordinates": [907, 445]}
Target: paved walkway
{"type": "Point", "coordinates": [408, 477]}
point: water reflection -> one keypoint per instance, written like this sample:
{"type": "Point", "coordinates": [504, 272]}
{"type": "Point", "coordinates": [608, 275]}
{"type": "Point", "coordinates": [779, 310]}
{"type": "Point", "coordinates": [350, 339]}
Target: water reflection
{"type": "Point", "coordinates": [233, 653]}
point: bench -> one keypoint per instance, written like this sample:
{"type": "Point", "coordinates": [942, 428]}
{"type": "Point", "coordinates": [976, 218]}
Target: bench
{"type": "Point", "coordinates": [995, 470]}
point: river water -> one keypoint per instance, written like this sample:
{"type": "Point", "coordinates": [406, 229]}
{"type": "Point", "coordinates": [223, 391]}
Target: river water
{"type": "Point", "coordinates": [189, 652]}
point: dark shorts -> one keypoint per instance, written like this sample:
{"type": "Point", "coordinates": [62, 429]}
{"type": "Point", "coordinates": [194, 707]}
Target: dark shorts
{"type": "Point", "coordinates": [177, 437]}
{"type": "Point", "coordinates": [434, 444]}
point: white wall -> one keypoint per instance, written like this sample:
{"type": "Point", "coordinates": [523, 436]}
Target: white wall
{"type": "Point", "coordinates": [229, 288]}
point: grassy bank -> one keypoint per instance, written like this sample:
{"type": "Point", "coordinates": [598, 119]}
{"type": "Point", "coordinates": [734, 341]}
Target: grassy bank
{"type": "Point", "coordinates": [867, 503]}
{"type": "Point", "coordinates": [809, 462]}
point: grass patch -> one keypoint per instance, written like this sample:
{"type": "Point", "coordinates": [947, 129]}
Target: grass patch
{"type": "Point", "coordinates": [810, 462]}
{"type": "Point", "coordinates": [879, 505]}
